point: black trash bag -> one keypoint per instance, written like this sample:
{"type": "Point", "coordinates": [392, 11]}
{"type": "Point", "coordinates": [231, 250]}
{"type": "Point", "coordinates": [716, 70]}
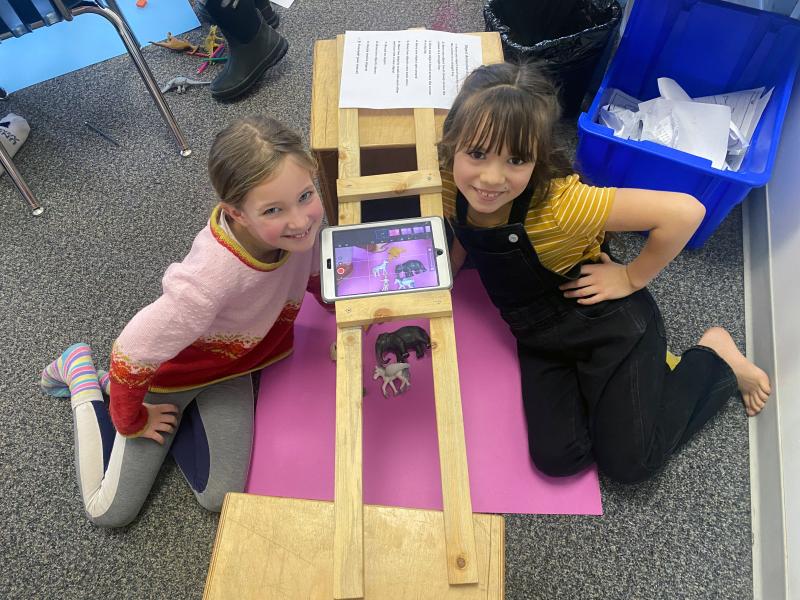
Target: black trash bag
{"type": "Point", "coordinates": [569, 36]}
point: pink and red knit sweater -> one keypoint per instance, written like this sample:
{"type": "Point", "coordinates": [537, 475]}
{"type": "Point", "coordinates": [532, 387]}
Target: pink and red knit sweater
{"type": "Point", "coordinates": [222, 314]}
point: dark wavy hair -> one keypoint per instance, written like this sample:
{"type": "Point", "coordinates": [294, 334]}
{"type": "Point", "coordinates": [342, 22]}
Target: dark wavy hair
{"type": "Point", "coordinates": [513, 106]}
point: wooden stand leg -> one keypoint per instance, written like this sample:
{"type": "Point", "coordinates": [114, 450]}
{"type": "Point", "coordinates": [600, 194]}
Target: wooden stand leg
{"type": "Point", "coordinates": [459, 534]}
{"type": "Point", "coordinates": [348, 537]}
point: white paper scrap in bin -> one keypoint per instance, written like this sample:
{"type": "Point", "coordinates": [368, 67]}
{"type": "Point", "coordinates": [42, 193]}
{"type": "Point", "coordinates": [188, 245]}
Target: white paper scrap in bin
{"type": "Point", "coordinates": [406, 69]}
{"type": "Point", "coordinates": [718, 128]}
{"type": "Point", "coordinates": [746, 106]}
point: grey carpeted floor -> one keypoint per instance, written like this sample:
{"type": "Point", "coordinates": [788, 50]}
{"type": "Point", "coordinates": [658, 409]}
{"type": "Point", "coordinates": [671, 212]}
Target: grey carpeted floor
{"type": "Point", "coordinates": [116, 217]}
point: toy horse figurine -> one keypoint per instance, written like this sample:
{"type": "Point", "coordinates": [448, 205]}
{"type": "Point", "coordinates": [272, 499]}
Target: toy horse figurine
{"type": "Point", "coordinates": [380, 269]}
{"type": "Point", "coordinates": [391, 372]}
{"type": "Point", "coordinates": [406, 283]}
{"type": "Point", "coordinates": [399, 341]}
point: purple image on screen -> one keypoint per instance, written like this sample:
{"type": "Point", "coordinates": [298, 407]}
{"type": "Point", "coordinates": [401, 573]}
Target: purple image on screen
{"type": "Point", "coordinates": [394, 232]}
{"type": "Point", "coordinates": [398, 265]}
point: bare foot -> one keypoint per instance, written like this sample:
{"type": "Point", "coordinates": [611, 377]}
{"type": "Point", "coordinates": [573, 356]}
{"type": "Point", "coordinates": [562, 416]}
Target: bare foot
{"type": "Point", "coordinates": [753, 382]}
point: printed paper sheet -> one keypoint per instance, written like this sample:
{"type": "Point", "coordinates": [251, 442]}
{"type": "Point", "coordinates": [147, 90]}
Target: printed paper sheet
{"type": "Point", "coordinates": [405, 69]}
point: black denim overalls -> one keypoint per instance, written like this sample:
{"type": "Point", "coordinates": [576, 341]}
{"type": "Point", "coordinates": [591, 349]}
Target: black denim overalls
{"type": "Point", "coordinates": [595, 383]}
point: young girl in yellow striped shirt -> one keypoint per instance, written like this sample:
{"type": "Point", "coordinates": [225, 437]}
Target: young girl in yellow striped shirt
{"type": "Point", "coordinates": [590, 338]}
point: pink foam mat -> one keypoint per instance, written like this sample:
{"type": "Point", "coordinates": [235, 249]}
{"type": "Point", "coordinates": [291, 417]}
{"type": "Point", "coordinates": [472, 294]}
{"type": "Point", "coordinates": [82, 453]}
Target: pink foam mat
{"type": "Point", "coordinates": [293, 450]}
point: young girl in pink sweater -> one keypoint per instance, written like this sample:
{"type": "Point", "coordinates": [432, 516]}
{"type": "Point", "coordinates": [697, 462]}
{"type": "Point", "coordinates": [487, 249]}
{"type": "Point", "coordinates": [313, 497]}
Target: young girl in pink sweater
{"type": "Point", "coordinates": [183, 363]}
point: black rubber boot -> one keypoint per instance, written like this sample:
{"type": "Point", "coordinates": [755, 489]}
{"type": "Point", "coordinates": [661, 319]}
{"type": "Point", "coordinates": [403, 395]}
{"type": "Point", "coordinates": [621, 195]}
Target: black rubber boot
{"type": "Point", "coordinates": [247, 60]}
{"type": "Point", "coordinates": [269, 14]}
{"type": "Point", "coordinates": [265, 6]}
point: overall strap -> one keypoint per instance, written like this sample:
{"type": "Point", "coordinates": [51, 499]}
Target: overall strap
{"type": "Point", "coordinates": [461, 208]}
{"type": "Point", "coordinates": [519, 210]}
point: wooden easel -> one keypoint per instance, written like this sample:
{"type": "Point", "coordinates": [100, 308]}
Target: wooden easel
{"type": "Point", "coordinates": [285, 548]}
{"type": "Point", "coordinates": [351, 315]}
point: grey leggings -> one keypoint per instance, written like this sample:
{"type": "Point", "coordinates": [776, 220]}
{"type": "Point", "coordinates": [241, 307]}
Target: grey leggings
{"type": "Point", "coordinates": [211, 445]}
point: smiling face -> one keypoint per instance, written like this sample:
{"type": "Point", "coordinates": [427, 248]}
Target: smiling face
{"type": "Point", "coordinates": [281, 213]}
{"type": "Point", "coordinates": [490, 179]}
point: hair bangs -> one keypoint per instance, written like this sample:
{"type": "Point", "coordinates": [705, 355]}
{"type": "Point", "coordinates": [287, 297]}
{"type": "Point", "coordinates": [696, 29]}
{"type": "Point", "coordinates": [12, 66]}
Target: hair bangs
{"type": "Point", "coordinates": [500, 122]}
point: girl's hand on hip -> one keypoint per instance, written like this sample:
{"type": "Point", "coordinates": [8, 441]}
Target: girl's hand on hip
{"type": "Point", "coordinates": [161, 418]}
{"type": "Point", "coordinates": [606, 280]}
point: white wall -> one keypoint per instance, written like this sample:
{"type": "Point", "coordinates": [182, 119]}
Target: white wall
{"type": "Point", "coordinates": [783, 7]}
{"type": "Point", "coordinates": [783, 197]}
{"type": "Point", "coordinates": [773, 310]}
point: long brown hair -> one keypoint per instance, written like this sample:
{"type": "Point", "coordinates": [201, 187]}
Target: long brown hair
{"type": "Point", "coordinates": [248, 152]}
{"type": "Point", "coordinates": [513, 106]}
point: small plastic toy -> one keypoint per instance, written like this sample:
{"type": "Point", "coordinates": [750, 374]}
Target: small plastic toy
{"type": "Point", "coordinates": [177, 44]}
{"type": "Point", "coordinates": [409, 268]}
{"type": "Point", "coordinates": [380, 269]}
{"type": "Point", "coordinates": [399, 342]}
{"type": "Point", "coordinates": [390, 373]}
{"type": "Point", "coordinates": [404, 283]}
{"type": "Point", "coordinates": [212, 40]}
{"type": "Point", "coordinates": [180, 84]}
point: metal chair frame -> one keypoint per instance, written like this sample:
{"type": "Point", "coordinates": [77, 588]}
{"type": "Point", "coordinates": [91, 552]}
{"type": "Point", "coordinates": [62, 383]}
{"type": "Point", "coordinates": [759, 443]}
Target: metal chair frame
{"type": "Point", "coordinates": [109, 10]}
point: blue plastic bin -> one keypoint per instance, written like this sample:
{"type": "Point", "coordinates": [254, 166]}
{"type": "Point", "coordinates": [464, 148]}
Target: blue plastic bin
{"type": "Point", "coordinates": [708, 47]}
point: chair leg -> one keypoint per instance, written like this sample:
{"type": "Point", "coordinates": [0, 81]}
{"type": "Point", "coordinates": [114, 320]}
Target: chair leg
{"type": "Point", "coordinates": [16, 177]}
{"type": "Point", "coordinates": [136, 55]}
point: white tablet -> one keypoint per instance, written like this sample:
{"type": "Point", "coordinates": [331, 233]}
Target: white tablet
{"type": "Point", "coordinates": [387, 257]}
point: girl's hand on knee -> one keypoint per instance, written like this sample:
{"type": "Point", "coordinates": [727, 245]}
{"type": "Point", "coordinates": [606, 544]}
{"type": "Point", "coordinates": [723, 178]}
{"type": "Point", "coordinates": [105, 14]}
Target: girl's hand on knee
{"type": "Point", "coordinates": [606, 280]}
{"type": "Point", "coordinates": [161, 418]}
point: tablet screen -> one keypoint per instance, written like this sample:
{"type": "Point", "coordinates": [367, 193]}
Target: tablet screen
{"type": "Point", "coordinates": [384, 258]}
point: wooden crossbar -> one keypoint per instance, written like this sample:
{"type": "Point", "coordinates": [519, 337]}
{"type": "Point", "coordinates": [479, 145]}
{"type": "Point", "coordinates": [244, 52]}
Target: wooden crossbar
{"type": "Point", "coordinates": [351, 315]}
{"type": "Point", "coordinates": [363, 311]}
{"type": "Point", "coordinates": [372, 187]}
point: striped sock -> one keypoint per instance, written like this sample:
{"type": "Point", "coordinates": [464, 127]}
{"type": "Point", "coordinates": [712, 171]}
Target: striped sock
{"type": "Point", "coordinates": [72, 374]}
{"type": "Point", "coordinates": [104, 377]}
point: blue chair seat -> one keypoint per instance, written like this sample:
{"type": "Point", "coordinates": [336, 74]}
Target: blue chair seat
{"type": "Point", "coordinates": [19, 17]}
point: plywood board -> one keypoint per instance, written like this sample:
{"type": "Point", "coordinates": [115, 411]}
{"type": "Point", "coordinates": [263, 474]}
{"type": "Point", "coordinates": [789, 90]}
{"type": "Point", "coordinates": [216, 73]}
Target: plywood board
{"type": "Point", "coordinates": [280, 548]}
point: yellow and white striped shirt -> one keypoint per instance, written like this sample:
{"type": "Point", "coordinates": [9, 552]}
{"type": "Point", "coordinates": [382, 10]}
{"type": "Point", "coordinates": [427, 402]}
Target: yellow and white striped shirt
{"type": "Point", "coordinates": [565, 229]}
